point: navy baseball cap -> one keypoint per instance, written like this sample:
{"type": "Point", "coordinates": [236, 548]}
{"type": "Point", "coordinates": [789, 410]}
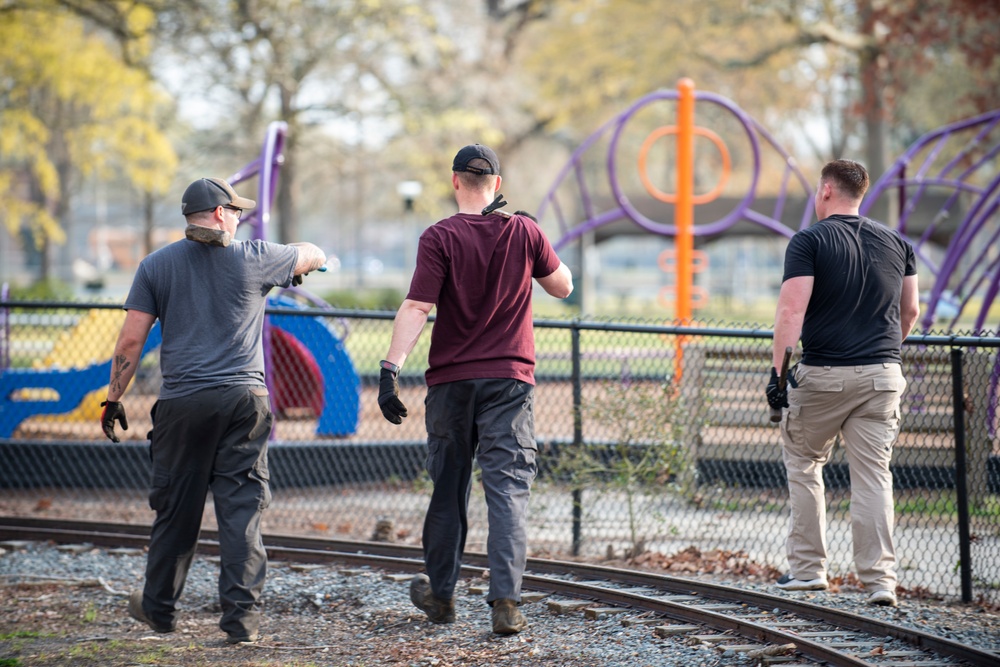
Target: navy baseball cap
{"type": "Point", "coordinates": [206, 194]}
{"type": "Point", "coordinates": [473, 152]}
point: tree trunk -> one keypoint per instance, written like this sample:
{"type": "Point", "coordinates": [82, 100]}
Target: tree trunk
{"type": "Point", "coordinates": [287, 231]}
{"type": "Point", "coordinates": [872, 99]}
{"type": "Point", "coordinates": [148, 203]}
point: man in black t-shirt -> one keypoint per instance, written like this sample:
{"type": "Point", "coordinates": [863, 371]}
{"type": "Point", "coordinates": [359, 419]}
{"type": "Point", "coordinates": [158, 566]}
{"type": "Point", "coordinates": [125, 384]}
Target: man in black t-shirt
{"type": "Point", "coordinates": [850, 290]}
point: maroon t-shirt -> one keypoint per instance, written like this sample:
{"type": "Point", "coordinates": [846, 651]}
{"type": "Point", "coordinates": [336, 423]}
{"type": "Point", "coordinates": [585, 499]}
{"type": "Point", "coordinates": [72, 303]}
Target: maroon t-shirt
{"type": "Point", "coordinates": [478, 269]}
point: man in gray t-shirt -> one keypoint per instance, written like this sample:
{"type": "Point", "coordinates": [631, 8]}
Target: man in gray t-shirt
{"type": "Point", "coordinates": [212, 419]}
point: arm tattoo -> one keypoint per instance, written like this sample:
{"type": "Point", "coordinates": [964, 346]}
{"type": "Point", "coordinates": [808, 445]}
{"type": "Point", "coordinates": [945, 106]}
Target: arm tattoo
{"type": "Point", "coordinates": [118, 366]}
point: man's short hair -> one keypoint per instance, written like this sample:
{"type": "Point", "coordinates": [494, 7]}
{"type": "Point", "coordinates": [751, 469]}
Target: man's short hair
{"type": "Point", "coordinates": [474, 181]}
{"type": "Point", "coordinates": [848, 176]}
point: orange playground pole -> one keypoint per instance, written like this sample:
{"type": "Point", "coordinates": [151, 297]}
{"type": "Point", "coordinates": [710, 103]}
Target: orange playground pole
{"type": "Point", "coordinates": [684, 211]}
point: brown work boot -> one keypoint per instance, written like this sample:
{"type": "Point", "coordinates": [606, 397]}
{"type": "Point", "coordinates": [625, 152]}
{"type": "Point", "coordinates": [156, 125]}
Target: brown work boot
{"type": "Point", "coordinates": [136, 611]}
{"type": "Point", "coordinates": [437, 610]}
{"type": "Point", "coordinates": [507, 618]}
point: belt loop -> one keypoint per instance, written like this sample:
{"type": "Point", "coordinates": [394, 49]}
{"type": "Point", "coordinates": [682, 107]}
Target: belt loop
{"type": "Point", "coordinates": [859, 368]}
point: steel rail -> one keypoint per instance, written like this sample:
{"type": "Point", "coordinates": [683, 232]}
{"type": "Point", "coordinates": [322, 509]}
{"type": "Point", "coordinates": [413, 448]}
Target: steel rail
{"type": "Point", "coordinates": [409, 558]}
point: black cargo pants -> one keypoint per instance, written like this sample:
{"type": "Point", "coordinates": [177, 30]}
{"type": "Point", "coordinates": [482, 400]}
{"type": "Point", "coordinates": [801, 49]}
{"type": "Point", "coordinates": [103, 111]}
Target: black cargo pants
{"type": "Point", "coordinates": [214, 439]}
{"type": "Point", "coordinates": [491, 422]}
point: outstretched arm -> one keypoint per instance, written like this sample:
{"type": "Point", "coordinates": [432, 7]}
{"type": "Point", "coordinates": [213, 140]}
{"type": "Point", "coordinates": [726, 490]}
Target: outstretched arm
{"type": "Point", "coordinates": [310, 258]}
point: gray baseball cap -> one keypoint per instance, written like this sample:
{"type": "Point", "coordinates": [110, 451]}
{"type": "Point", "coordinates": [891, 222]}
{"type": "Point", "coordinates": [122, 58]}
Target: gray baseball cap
{"type": "Point", "coordinates": [207, 193]}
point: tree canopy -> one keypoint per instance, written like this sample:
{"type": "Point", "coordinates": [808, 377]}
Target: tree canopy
{"type": "Point", "coordinates": [70, 107]}
{"type": "Point", "coordinates": [380, 91]}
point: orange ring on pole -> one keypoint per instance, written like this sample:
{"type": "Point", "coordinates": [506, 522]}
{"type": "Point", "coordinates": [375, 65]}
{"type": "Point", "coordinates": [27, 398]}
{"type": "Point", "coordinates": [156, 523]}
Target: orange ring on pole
{"type": "Point", "coordinates": [667, 296]}
{"type": "Point", "coordinates": [672, 198]}
{"type": "Point", "coordinates": [699, 297]}
{"type": "Point", "coordinates": [667, 260]}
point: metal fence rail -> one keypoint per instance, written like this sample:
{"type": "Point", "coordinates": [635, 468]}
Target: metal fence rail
{"type": "Point", "coordinates": [652, 439]}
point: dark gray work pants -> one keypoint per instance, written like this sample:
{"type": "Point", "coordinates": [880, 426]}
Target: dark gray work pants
{"type": "Point", "coordinates": [492, 421]}
{"type": "Point", "coordinates": [213, 439]}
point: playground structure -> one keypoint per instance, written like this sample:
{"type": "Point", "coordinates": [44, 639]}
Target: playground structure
{"type": "Point", "coordinates": [306, 363]}
{"type": "Point", "coordinates": [309, 371]}
{"type": "Point", "coordinates": [969, 151]}
{"type": "Point", "coordinates": [962, 159]}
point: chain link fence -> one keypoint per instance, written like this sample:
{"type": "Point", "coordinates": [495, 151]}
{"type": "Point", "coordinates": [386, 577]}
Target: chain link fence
{"type": "Point", "coordinates": [653, 439]}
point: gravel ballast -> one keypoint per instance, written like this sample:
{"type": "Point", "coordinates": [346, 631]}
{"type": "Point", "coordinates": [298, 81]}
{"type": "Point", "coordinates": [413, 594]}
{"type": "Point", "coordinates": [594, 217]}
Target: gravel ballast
{"type": "Point", "coordinates": [67, 606]}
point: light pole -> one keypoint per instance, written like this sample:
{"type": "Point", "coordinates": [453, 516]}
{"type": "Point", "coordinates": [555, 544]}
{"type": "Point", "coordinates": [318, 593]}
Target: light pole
{"type": "Point", "coordinates": [409, 191]}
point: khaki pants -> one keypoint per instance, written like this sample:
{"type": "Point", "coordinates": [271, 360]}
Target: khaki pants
{"type": "Point", "coordinates": [862, 404]}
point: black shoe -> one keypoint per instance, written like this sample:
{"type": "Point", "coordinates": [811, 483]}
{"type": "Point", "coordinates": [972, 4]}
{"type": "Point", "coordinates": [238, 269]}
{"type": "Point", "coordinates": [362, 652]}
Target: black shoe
{"type": "Point", "coordinates": [242, 639]}
{"type": "Point", "coordinates": [437, 610]}
{"type": "Point", "coordinates": [507, 618]}
{"type": "Point", "coordinates": [136, 611]}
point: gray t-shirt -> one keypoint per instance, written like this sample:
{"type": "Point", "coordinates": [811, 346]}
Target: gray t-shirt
{"type": "Point", "coordinates": [210, 302]}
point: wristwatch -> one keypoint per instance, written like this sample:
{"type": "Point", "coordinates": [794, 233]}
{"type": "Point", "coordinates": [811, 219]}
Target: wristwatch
{"type": "Point", "coordinates": [389, 366]}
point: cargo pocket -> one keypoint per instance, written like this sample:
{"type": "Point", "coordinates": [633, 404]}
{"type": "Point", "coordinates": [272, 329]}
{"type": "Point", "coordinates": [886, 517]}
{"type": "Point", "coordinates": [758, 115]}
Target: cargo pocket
{"type": "Point", "coordinates": [889, 389]}
{"type": "Point", "coordinates": [890, 384]}
{"type": "Point", "coordinates": [793, 425]}
{"type": "Point", "coordinates": [262, 475]}
{"type": "Point", "coordinates": [525, 464]}
{"type": "Point", "coordinates": [265, 419]}
{"type": "Point", "coordinates": [159, 493]}
{"type": "Point", "coordinates": [830, 385]}
{"type": "Point", "coordinates": [523, 428]}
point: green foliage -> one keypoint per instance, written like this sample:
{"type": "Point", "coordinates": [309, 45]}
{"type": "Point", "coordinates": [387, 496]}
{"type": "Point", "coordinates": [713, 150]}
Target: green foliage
{"type": "Point", "coordinates": [598, 54]}
{"type": "Point", "coordinates": [642, 423]}
{"type": "Point", "coordinates": [71, 107]}
{"type": "Point", "coordinates": [385, 298]}
{"type": "Point", "coordinates": [944, 503]}
{"type": "Point", "coordinates": [47, 289]}
{"type": "Point", "coordinates": [90, 614]}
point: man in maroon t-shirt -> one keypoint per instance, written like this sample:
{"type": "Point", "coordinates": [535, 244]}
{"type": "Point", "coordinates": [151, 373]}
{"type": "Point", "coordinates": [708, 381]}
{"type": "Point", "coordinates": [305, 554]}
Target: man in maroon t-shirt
{"type": "Point", "coordinates": [476, 267]}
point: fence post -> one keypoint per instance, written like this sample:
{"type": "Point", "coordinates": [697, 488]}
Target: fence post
{"type": "Point", "coordinates": [577, 433]}
{"type": "Point", "coordinates": [977, 365]}
{"type": "Point", "coordinates": [961, 486]}
{"type": "Point", "coordinates": [692, 415]}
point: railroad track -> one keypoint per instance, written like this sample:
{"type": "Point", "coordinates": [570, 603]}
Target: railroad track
{"type": "Point", "coordinates": [778, 630]}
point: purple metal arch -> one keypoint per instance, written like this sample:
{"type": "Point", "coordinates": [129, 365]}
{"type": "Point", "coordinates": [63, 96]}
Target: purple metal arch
{"type": "Point", "coordinates": [624, 208]}
{"type": "Point", "coordinates": [978, 229]}
{"type": "Point", "coordinates": [268, 166]}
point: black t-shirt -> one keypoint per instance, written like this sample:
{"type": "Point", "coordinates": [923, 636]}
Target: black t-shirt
{"type": "Point", "coordinates": [858, 267]}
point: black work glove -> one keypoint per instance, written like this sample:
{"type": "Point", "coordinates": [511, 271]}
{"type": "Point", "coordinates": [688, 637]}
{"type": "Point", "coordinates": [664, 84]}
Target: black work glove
{"type": "Point", "coordinates": [388, 397]}
{"type": "Point", "coordinates": [776, 398]}
{"type": "Point", "coordinates": [113, 410]}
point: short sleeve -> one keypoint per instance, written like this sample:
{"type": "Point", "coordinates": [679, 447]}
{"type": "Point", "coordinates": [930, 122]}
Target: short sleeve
{"type": "Point", "coordinates": [431, 270]}
{"type": "Point", "coordinates": [799, 258]}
